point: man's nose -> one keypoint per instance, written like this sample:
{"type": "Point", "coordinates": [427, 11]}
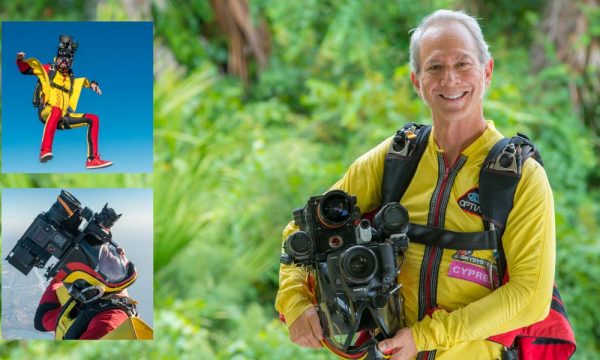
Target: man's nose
{"type": "Point", "coordinates": [449, 77]}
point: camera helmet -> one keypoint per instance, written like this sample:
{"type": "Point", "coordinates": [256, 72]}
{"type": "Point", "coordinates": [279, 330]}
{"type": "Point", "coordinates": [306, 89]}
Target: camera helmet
{"type": "Point", "coordinates": [65, 52]}
{"type": "Point", "coordinates": [95, 270]}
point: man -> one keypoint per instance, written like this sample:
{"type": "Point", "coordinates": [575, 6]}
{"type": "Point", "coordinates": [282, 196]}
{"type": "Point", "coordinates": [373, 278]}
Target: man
{"type": "Point", "coordinates": [57, 91]}
{"type": "Point", "coordinates": [448, 314]}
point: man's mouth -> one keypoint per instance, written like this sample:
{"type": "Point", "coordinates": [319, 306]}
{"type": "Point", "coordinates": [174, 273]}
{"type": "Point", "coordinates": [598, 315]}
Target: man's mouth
{"type": "Point", "coordinates": [453, 96]}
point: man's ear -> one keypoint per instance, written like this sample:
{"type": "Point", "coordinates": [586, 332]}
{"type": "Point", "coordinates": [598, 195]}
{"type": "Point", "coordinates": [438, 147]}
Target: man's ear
{"type": "Point", "coordinates": [415, 81]}
{"type": "Point", "coordinates": [489, 69]}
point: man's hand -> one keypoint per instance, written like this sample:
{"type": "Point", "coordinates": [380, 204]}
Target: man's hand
{"type": "Point", "coordinates": [402, 345]}
{"type": "Point", "coordinates": [94, 86]}
{"type": "Point", "coordinates": [20, 55]}
{"type": "Point", "coordinates": [306, 330]}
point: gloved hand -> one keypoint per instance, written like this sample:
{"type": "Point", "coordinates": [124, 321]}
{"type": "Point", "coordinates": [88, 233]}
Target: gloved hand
{"type": "Point", "coordinates": [94, 86]}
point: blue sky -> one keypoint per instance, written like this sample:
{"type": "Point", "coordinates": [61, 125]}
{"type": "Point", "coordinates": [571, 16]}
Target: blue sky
{"type": "Point", "coordinates": [133, 232]}
{"type": "Point", "coordinates": [118, 55]}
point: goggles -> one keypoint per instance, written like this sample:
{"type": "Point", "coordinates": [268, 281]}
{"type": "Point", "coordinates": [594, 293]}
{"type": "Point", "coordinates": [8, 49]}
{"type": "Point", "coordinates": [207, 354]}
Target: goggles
{"type": "Point", "coordinates": [68, 61]}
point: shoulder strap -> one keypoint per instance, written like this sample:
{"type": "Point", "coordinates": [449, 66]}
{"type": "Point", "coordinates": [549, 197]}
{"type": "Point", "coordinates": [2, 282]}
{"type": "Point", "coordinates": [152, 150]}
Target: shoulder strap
{"type": "Point", "coordinates": [498, 180]}
{"type": "Point", "coordinates": [402, 160]}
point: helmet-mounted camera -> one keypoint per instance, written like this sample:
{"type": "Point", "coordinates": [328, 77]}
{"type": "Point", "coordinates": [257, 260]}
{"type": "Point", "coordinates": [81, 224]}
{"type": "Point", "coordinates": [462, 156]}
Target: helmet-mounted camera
{"type": "Point", "coordinates": [81, 241]}
{"type": "Point", "coordinates": [67, 47]}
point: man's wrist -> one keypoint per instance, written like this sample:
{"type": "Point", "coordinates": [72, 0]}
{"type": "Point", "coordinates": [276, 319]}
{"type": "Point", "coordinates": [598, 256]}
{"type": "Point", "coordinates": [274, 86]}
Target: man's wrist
{"type": "Point", "coordinates": [296, 311]}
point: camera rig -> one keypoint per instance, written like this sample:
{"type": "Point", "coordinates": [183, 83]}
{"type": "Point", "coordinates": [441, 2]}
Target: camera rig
{"type": "Point", "coordinates": [356, 267]}
{"type": "Point", "coordinates": [59, 232]}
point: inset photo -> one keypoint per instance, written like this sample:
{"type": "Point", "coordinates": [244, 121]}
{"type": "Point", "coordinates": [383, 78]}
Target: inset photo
{"type": "Point", "coordinates": [77, 264]}
{"type": "Point", "coordinates": [77, 97]}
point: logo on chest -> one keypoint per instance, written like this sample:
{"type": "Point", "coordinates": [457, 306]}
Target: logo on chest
{"type": "Point", "coordinates": [469, 202]}
{"type": "Point", "coordinates": [467, 267]}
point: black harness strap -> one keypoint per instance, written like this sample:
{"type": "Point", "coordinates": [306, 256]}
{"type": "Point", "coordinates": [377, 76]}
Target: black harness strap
{"type": "Point", "coordinates": [402, 160]}
{"type": "Point", "coordinates": [432, 236]}
{"type": "Point", "coordinates": [498, 180]}
{"type": "Point", "coordinates": [52, 75]}
{"type": "Point", "coordinates": [86, 313]}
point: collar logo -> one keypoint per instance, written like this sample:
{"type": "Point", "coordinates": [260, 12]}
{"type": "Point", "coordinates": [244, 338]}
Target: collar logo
{"type": "Point", "coordinates": [469, 202]}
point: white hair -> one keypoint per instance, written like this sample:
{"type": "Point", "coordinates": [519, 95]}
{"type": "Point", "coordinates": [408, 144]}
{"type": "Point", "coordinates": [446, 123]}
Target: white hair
{"type": "Point", "coordinates": [447, 15]}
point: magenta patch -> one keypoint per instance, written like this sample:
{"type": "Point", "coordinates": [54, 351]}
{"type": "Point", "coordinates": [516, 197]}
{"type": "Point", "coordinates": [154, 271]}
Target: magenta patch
{"type": "Point", "coordinates": [472, 273]}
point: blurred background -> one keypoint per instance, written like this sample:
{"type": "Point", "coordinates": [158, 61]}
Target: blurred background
{"type": "Point", "coordinates": [260, 104]}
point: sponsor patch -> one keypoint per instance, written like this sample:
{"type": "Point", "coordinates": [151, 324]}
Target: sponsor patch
{"type": "Point", "coordinates": [469, 202]}
{"type": "Point", "coordinates": [472, 273]}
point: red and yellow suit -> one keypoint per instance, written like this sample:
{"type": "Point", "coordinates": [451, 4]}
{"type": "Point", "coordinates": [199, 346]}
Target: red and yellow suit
{"type": "Point", "coordinates": [58, 312]}
{"type": "Point", "coordinates": [61, 91]}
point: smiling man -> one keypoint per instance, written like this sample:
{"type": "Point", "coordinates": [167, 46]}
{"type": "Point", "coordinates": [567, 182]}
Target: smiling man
{"type": "Point", "coordinates": [455, 298]}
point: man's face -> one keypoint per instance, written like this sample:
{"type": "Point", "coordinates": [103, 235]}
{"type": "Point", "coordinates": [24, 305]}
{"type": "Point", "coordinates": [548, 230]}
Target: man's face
{"type": "Point", "coordinates": [451, 79]}
{"type": "Point", "coordinates": [63, 63]}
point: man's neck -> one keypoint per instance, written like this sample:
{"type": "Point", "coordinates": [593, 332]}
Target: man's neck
{"type": "Point", "coordinates": [455, 136]}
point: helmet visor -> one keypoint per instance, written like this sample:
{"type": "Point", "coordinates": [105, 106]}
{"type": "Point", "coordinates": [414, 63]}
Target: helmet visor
{"type": "Point", "coordinates": [111, 264]}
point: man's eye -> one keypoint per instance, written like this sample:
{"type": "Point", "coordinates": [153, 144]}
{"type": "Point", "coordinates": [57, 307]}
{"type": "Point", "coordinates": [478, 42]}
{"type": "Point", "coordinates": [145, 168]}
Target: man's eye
{"type": "Point", "coordinates": [463, 64]}
{"type": "Point", "coordinates": [434, 67]}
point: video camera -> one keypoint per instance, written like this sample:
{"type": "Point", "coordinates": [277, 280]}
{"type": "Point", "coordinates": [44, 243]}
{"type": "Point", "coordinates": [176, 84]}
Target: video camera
{"type": "Point", "coordinates": [356, 266]}
{"type": "Point", "coordinates": [359, 258]}
{"type": "Point", "coordinates": [66, 46]}
{"type": "Point", "coordinates": [59, 232]}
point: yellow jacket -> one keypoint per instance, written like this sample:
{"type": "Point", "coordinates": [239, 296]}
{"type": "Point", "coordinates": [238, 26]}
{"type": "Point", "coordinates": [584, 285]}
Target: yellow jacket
{"type": "Point", "coordinates": [469, 310]}
{"type": "Point", "coordinates": [58, 92]}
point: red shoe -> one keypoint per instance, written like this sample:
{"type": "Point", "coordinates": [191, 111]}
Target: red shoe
{"type": "Point", "coordinates": [97, 163]}
{"type": "Point", "coordinates": [45, 156]}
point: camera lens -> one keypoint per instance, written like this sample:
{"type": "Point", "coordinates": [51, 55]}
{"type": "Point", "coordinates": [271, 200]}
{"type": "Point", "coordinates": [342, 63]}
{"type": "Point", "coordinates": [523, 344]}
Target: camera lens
{"type": "Point", "coordinates": [393, 217]}
{"type": "Point", "coordinates": [64, 207]}
{"type": "Point", "coordinates": [335, 209]}
{"type": "Point", "coordinates": [298, 244]}
{"type": "Point", "coordinates": [358, 264]}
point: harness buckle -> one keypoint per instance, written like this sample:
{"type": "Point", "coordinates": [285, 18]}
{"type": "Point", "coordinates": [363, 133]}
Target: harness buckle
{"type": "Point", "coordinates": [90, 293]}
{"type": "Point", "coordinates": [508, 160]}
{"type": "Point", "coordinates": [401, 145]}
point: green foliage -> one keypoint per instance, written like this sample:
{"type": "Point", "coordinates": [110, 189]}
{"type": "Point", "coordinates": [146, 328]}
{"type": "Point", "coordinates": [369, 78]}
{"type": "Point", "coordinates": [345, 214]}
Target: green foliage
{"type": "Point", "coordinates": [231, 162]}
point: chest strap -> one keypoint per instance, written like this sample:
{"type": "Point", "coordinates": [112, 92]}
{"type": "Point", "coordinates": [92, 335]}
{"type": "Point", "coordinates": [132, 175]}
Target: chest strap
{"type": "Point", "coordinates": [52, 74]}
{"type": "Point", "coordinates": [446, 239]}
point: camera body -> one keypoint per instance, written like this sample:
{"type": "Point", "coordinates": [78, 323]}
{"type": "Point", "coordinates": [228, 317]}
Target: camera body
{"type": "Point", "coordinates": [327, 224]}
{"type": "Point", "coordinates": [58, 232]}
{"type": "Point", "coordinates": [362, 272]}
